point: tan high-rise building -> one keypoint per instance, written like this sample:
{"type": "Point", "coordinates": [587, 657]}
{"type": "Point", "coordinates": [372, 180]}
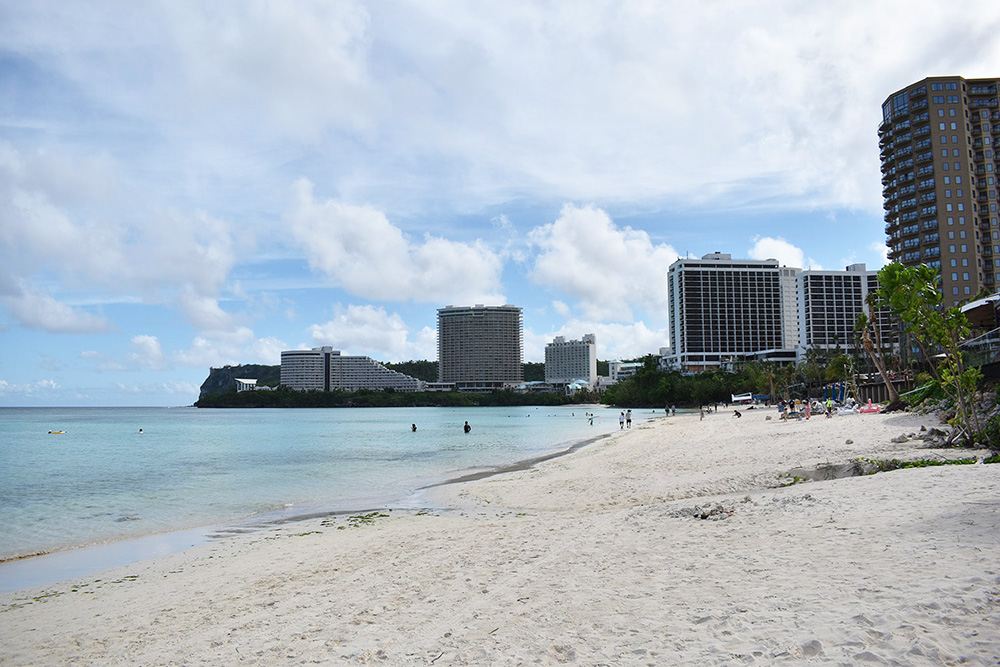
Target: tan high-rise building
{"type": "Point", "coordinates": [479, 347]}
{"type": "Point", "coordinates": [940, 167]}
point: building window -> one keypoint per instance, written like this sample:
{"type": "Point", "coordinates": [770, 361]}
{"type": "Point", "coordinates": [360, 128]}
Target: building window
{"type": "Point", "coordinates": [968, 290]}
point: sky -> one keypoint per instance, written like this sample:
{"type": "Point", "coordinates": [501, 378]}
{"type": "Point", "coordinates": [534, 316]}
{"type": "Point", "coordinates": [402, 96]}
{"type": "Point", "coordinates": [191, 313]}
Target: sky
{"type": "Point", "coordinates": [186, 185]}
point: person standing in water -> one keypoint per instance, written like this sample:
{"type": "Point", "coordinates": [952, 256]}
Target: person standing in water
{"type": "Point", "coordinates": [628, 418]}
{"type": "Point", "coordinates": [467, 428]}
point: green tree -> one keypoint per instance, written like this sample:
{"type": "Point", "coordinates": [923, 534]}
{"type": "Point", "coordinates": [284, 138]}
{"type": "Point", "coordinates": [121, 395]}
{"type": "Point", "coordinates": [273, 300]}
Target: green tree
{"type": "Point", "coordinates": [912, 294]}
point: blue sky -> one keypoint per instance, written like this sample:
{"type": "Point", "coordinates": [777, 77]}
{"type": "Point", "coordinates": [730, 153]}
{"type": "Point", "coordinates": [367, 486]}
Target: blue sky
{"type": "Point", "coordinates": [187, 184]}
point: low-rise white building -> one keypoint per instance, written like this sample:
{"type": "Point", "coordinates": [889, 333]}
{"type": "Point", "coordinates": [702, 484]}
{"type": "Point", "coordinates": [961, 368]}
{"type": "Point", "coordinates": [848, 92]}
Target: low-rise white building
{"type": "Point", "coordinates": [326, 369]}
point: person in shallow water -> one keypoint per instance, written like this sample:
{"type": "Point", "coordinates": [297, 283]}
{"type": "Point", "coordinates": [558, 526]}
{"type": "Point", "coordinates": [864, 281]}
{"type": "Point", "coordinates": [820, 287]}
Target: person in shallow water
{"type": "Point", "coordinates": [467, 428]}
{"type": "Point", "coordinates": [413, 427]}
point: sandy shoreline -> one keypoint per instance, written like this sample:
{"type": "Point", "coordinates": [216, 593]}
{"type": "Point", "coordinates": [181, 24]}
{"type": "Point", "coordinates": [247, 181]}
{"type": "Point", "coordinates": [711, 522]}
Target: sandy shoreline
{"type": "Point", "coordinates": [592, 558]}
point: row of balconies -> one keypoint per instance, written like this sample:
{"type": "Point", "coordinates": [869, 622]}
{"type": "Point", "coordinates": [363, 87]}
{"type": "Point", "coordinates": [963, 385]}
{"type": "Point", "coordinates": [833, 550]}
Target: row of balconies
{"type": "Point", "coordinates": [926, 183]}
{"type": "Point", "coordinates": [928, 197]}
{"type": "Point", "coordinates": [925, 171]}
{"type": "Point", "coordinates": [983, 90]}
{"type": "Point", "coordinates": [929, 224]}
{"type": "Point", "coordinates": [932, 252]}
{"type": "Point", "coordinates": [931, 238]}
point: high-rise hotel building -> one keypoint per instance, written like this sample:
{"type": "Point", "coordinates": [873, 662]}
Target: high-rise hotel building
{"type": "Point", "coordinates": [480, 347]}
{"type": "Point", "coordinates": [568, 361]}
{"type": "Point", "coordinates": [723, 310]}
{"type": "Point", "coordinates": [938, 144]}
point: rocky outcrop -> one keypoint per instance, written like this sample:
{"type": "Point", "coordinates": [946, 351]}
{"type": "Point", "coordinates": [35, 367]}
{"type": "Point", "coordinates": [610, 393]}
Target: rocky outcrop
{"type": "Point", "coordinates": [224, 379]}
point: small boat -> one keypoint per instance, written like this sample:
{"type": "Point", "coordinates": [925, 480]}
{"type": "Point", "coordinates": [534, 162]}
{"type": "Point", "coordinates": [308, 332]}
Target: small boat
{"type": "Point", "coordinates": [56, 432]}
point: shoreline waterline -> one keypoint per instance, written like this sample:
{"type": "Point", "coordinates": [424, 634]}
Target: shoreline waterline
{"type": "Point", "coordinates": [52, 567]}
{"type": "Point", "coordinates": [675, 543]}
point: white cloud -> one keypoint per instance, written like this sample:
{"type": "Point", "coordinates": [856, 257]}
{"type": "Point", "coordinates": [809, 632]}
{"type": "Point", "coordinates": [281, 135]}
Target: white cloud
{"type": "Point", "coordinates": [37, 387]}
{"type": "Point", "coordinates": [765, 247]}
{"type": "Point", "coordinates": [237, 346]}
{"type": "Point", "coordinates": [147, 352]}
{"type": "Point", "coordinates": [360, 250]}
{"type": "Point", "coordinates": [35, 309]}
{"type": "Point", "coordinates": [608, 270]}
{"type": "Point", "coordinates": [372, 332]}
{"type": "Point", "coordinates": [154, 255]}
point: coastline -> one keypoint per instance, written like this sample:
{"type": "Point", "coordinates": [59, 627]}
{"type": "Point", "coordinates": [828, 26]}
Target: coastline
{"type": "Point", "coordinates": [593, 557]}
{"type": "Point", "coordinates": [50, 568]}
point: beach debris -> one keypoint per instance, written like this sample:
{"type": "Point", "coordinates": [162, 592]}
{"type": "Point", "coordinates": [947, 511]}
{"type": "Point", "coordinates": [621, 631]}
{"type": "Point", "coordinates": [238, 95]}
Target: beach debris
{"type": "Point", "coordinates": [850, 442]}
{"type": "Point", "coordinates": [711, 512]}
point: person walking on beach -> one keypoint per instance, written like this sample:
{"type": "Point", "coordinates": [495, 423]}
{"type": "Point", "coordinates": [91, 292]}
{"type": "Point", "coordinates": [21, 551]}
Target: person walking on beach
{"type": "Point", "coordinates": [781, 410]}
{"type": "Point", "coordinates": [807, 408]}
{"type": "Point", "coordinates": [628, 419]}
{"type": "Point", "coordinates": [701, 412]}
{"type": "Point", "coordinates": [467, 428]}
{"type": "Point", "coordinates": [621, 420]}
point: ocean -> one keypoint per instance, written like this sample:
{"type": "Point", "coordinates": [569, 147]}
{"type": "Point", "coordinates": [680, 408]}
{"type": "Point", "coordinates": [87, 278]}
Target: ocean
{"type": "Point", "coordinates": [103, 481]}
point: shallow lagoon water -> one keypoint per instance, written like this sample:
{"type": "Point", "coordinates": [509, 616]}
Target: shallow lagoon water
{"type": "Point", "coordinates": [102, 481]}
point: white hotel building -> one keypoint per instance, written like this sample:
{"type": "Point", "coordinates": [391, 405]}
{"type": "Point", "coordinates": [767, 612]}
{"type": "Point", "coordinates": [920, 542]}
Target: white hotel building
{"type": "Point", "coordinates": [326, 369]}
{"type": "Point", "coordinates": [569, 361]}
{"type": "Point", "coordinates": [724, 310]}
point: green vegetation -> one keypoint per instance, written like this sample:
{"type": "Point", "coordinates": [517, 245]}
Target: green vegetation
{"type": "Point", "coordinates": [882, 465]}
{"type": "Point", "coordinates": [283, 397]}
{"type": "Point", "coordinates": [422, 369]}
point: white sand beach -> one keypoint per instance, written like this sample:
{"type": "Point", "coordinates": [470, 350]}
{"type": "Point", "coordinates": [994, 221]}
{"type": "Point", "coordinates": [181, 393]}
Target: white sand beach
{"type": "Point", "coordinates": [591, 558]}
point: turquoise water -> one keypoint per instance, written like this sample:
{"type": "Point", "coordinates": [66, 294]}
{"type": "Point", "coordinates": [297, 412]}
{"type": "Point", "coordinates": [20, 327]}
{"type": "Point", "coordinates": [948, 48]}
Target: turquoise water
{"type": "Point", "coordinates": [104, 481]}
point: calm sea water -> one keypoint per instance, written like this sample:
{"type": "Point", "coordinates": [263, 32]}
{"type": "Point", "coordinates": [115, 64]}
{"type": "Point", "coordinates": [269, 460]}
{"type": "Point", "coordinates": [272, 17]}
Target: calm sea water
{"type": "Point", "coordinates": [103, 480]}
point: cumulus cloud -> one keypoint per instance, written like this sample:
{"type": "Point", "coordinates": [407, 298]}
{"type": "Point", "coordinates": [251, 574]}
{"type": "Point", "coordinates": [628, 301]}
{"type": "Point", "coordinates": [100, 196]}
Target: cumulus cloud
{"type": "Point", "coordinates": [365, 254]}
{"type": "Point", "coordinates": [46, 232]}
{"type": "Point", "coordinates": [765, 247]}
{"type": "Point", "coordinates": [146, 353]}
{"type": "Point", "coordinates": [372, 332]}
{"type": "Point", "coordinates": [236, 346]}
{"type": "Point", "coordinates": [35, 309]}
{"type": "Point", "coordinates": [608, 270]}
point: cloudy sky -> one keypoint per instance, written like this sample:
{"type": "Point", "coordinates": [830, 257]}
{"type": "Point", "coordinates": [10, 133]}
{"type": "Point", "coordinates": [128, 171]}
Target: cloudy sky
{"type": "Point", "coordinates": [189, 184]}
